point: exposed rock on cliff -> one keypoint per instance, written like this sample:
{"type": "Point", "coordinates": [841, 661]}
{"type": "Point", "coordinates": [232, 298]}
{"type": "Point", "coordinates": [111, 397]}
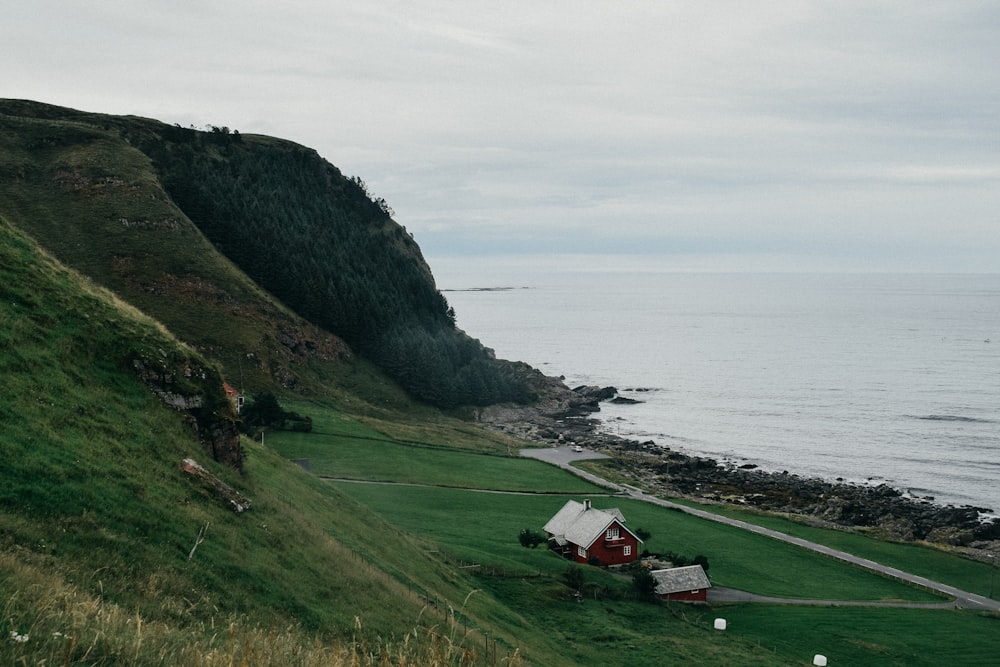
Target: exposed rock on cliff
{"type": "Point", "coordinates": [235, 500]}
{"type": "Point", "coordinates": [195, 388]}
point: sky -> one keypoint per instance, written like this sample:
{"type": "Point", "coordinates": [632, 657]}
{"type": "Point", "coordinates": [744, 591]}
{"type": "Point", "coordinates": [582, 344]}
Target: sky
{"type": "Point", "coordinates": [664, 136]}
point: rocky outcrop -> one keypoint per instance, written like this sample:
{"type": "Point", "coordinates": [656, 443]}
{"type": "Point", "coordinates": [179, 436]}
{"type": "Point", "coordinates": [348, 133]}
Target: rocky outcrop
{"type": "Point", "coordinates": [877, 507]}
{"type": "Point", "coordinates": [191, 386]}
{"type": "Point", "coordinates": [560, 414]}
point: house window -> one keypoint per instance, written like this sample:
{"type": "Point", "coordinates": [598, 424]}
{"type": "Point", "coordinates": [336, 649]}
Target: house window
{"type": "Point", "coordinates": [582, 552]}
{"type": "Point", "coordinates": [613, 534]}
{"type": "Point", "coordinates": [627, 550]}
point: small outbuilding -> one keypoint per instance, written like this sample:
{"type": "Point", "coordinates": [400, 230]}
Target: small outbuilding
{"type": "Point", "coordinates": [687, 584]}
{"type": "Point", "coordinates": [588, 535]}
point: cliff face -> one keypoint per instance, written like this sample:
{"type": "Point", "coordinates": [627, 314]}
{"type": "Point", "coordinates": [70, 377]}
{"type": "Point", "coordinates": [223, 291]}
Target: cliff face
{"type": "Point", "coordinates": [192, 387]}
{"type": "Point", "coordinates": [94, 201]}
{"type": "Point", "coordinates": [254, 250]}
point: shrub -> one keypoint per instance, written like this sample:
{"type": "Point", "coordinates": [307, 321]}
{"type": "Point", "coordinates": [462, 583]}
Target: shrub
{"type": "Point", "coordinates": [644, 584]}
{"type": "Point", "coordinates": [531, 538]}
{"type": "Point", "coordinates": [574, 577]}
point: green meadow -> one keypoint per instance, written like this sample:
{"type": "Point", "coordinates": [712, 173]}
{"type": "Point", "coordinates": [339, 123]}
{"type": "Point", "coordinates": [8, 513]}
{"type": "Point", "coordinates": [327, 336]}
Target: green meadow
{"type": "Point", "coordinates": [343, 448]}
{"type": "Point", "coordinates": [472, 506]}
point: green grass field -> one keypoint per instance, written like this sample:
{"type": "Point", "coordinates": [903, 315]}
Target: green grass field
{"type": "Point", "coordinates": [483, 528]}
{"type": "Point", "coordinates": [866, 635]}
{"type": "Point", "coordinates": [343, 448]}
{"type": "Point", "coordinates": [929, 561]}
{"type": "Point", "coordinates": [437, 502]}
{"type": "Point", "coordinates": [353, 451]}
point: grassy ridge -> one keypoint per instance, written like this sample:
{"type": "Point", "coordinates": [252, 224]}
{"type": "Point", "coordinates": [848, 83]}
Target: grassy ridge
{"type": "Point", "coordinates": [96, 203]}
{"type": "Point", "coordinates": [133, 203]}
{"type": "Point", "coordinates": [93, 498]}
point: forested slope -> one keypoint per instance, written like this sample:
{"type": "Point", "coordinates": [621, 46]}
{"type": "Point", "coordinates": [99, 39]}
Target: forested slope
{"type": "Point", "coordinates": [288, 219]}
{"type": "Point", "coordinates": [317, 240]}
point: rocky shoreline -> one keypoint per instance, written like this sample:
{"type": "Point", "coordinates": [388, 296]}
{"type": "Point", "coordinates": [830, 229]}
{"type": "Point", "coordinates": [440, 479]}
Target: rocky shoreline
{"type": "Point", "coordinates": [567, 416]}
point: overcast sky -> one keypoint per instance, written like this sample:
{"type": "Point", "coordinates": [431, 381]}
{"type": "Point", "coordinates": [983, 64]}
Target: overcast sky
{"type": "Point", "coordinates": [694, 135]}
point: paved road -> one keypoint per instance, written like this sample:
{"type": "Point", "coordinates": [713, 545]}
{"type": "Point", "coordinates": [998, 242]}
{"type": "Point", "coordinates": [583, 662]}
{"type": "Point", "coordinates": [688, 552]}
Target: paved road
{"type": "Point", "coordinates": [564, 456]}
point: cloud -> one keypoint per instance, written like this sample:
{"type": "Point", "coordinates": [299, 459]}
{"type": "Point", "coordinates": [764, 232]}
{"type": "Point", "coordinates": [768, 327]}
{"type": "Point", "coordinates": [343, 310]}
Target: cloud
{"type": "Point", "coordinates": [719, 129]}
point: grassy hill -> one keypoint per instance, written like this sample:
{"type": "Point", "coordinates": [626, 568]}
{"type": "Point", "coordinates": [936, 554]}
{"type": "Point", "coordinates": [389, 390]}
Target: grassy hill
{"type": "Point", "coordinates": [119, 322]}
{"type": "Point", "coordinates": [96, 203]}
{"type": "Point", "coordinates": [97, 521]}
{"type": "Point", "coordinates": [94, 498]}
{"type": "Point", "coordinates": [193, 226]}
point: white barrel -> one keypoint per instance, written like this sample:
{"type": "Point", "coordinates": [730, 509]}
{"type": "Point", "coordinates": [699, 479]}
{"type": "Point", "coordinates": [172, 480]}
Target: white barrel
{"type": "Point", "coordinates": [720, 624]}
{"type": "Point", "coordinates": [819, 660]}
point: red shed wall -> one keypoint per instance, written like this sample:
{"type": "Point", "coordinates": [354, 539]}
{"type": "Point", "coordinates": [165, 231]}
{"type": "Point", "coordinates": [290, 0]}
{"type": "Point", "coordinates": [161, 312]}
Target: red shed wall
{"type": "Point", "coordinates": [612, 552]}
{"type": "Point", "coordinates": [700, 595]}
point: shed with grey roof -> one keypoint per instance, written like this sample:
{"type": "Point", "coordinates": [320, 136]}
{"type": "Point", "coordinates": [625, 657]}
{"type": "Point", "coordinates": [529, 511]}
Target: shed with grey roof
{"type": "Point", "coordinates": [689, 584]}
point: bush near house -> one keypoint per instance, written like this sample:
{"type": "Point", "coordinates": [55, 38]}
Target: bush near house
{"type": "Point", "coordinates": [531, 538]}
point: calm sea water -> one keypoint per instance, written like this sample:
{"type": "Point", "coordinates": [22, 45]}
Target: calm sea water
{"type": "Point", "coordinates": [869, 378]}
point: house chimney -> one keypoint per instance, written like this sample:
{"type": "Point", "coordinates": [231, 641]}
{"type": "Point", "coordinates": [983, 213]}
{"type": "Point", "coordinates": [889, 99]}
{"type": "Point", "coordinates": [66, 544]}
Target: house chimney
{"type": "Point", "coordinates": [586, 504]}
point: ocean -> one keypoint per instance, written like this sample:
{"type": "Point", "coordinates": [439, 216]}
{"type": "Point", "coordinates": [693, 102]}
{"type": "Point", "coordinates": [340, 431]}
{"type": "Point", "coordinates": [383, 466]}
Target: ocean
{"type": "Point", "coordinates": [866, 378]}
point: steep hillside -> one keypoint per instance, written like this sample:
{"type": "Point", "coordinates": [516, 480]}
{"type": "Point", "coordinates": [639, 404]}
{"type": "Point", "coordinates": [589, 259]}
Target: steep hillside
{"type": "Point", "coordinates": [96, 203]}
{"type": "Point", "coordinates": [115, 197]}
{"type": "Point", "coordinates": [98, 519]}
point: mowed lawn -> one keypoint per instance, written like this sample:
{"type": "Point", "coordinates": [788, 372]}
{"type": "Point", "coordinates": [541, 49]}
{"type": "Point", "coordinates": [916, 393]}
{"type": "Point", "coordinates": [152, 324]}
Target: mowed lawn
{"type": "Point", "coordinates": [480, 527]}
{"type": "Point", "coordinates": [867, 636]}
{"type": "Point", "coordinates": [933, 563]}
{"type": "Point", "coordinates": [484, 527]}
{"type": "Point", "coordinates": [341, 448]}
{"type": "Point", "coordinates": [348, 450]}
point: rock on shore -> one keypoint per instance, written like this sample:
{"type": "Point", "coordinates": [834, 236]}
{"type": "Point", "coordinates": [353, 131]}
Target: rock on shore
{"type": "Point", "coordinates": [568, 416]}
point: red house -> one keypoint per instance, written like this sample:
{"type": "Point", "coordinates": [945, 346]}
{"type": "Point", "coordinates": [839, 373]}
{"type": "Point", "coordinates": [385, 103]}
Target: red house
{"type": "Point", "coordinates": [687, 584]}
{"type": "Point", "coordinates": [585, 534]}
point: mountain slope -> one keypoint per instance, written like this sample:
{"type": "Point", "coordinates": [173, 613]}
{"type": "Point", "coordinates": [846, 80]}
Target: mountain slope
{"type": "Point", "coordinates": [94, 496]}
{"type": "Point", "coordinates": [96, 203]}
{"type": "Point", "coordinates": [115, 197]}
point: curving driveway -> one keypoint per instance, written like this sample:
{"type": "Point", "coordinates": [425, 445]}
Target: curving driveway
{"type": "Point", "coordinates": [565, 456]}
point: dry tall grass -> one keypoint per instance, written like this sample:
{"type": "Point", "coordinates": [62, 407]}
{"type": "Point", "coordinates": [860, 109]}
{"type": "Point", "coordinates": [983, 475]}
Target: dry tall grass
{"type": "Point", "coordinates": [46, 621]}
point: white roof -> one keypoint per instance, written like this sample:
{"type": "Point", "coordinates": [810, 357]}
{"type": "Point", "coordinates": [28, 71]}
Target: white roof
{"type": "Point", "coordinates": [580, 525]}
{"type": "Point", "coordinates": [678, 579]}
